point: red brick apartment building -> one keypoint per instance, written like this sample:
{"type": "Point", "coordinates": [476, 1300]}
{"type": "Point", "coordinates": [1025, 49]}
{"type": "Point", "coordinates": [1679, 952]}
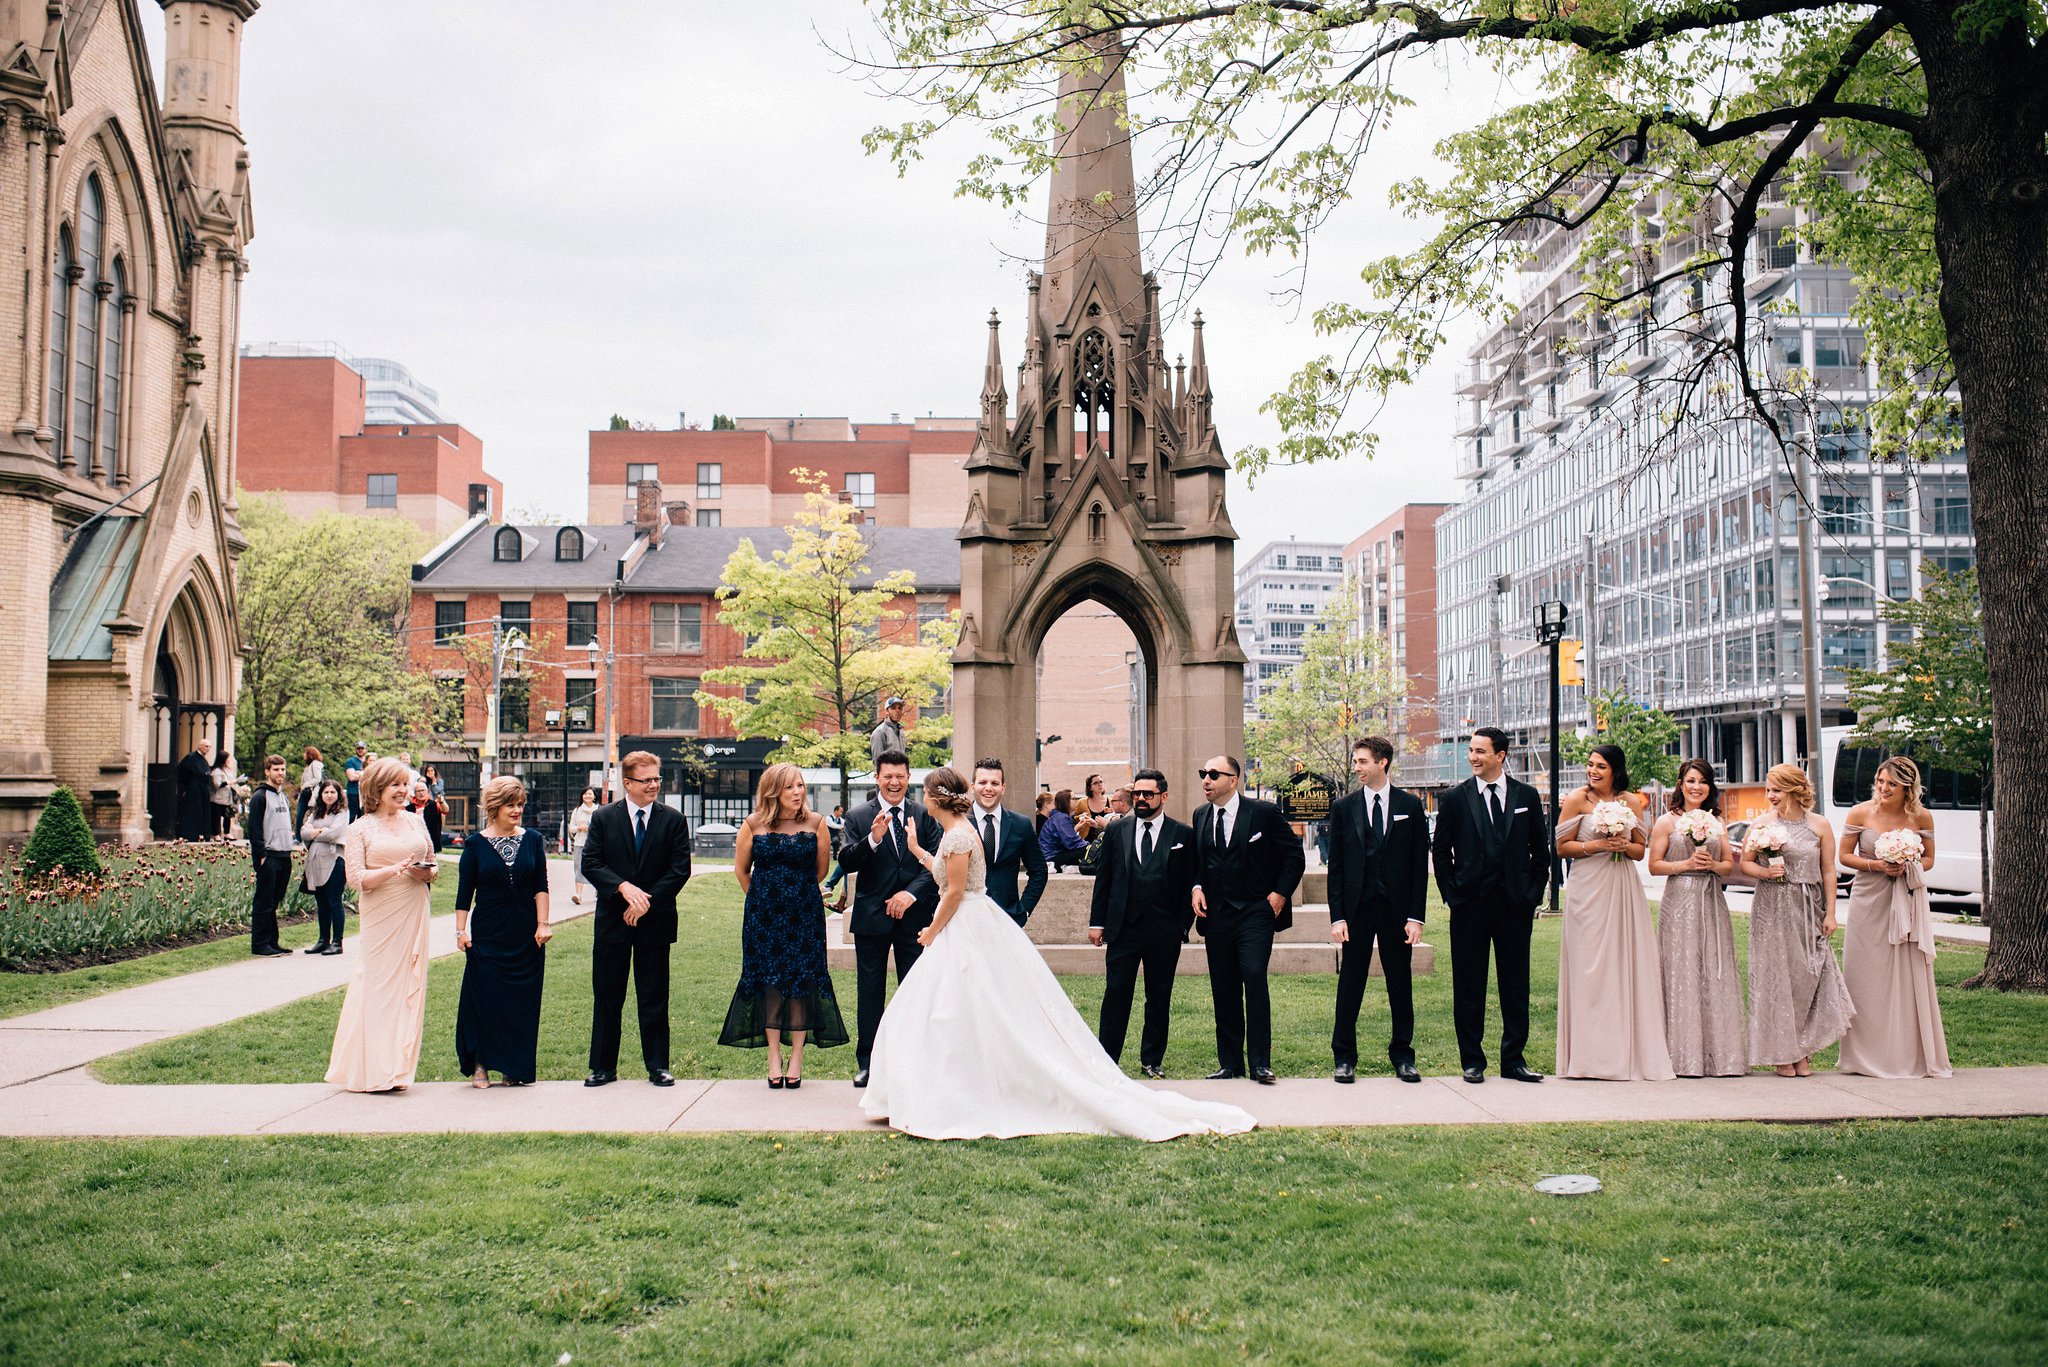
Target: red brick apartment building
{"type": "Point", "coordinates": [1394, 566]}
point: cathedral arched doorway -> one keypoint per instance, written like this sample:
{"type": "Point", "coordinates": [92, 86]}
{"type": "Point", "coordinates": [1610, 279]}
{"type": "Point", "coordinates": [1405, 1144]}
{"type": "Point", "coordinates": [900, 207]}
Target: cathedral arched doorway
{"type": "Point", "coordinates": [189, 696]}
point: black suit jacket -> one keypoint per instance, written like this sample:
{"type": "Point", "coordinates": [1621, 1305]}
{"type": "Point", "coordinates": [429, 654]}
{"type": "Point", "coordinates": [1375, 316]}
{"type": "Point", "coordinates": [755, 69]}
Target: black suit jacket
{"type": "Point", "coordinates": [1382, 882]}
{"type": "Point", "coordinates": [880, 873]}
{"type": "Point", "coordinates": [1017, 853]}
{"type": "Point", "coordinates": [1473, 863]}
{"type": "Point", "coordinates": [1265, 856]}
{"type": "Point", "coordinates": [1172, 872]}
{"type": "Point", "coordinates": [660, 869]}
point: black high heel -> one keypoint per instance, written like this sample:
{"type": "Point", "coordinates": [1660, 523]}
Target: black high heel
{"type": "Point", "coordinates": [794, 1081]}
{"type": "Point", "coordinates": [775, 1084]}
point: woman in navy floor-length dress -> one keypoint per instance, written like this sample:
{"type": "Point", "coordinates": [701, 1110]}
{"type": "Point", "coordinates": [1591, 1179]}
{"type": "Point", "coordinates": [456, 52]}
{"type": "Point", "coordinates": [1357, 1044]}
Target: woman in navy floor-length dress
{"type": "Point", "coordinates": [501, 921]}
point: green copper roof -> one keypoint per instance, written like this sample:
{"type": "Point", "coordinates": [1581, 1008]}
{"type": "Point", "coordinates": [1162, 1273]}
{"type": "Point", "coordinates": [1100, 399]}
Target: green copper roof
{"type": "Point", "coordinates": [90, 588]}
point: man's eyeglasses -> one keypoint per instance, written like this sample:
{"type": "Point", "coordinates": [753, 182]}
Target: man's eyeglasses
{"type": "Point", "coordinates": [1215, 773]}
{"type": "Point", "coordinates": [651, 778]}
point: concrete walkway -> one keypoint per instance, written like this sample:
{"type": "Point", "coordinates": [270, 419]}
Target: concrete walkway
{"type": "Point", "coordinates": [46, 1090]}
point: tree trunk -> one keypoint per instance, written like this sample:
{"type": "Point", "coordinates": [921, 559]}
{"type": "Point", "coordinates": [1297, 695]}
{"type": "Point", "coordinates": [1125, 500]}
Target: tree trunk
{"type": "Point", "coordinates": [1983, 143]}
{"type": "Point", "coordinates": [1984, 847]}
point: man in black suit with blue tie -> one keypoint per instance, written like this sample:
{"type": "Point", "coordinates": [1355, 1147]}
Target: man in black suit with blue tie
{"type": "Point", "coordinates": [893, 896]}
{"type": "Point", "coordinates": [637, 856]}
{"type": "Point", "coordinates": [1008, 844]}
{"type": "Point", "coordinates": [1142, 909]}
{"type": "Point", "coordinates": [1492, 857]}
{"type": "Point", "coordinates": [1248, 862]}
{"type": "Point", "coordinates": [1379, 885]}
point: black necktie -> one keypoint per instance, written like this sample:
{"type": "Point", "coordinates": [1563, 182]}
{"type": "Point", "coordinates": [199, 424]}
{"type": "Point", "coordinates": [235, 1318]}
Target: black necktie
{"type": "Point", "coordinates": [988, 836]}
{"type": "Point", "coordinates": [1223, 826]}
{"type": "Point", "coordinates": [1145, 846]}
{"type": "Point", "coordinates": [1493, 804]}
{"type": "Point", "coordinates": [1379, 821]}
{"type": "Point", "coordinates": [639, 829]}
{"type": "Point", "coordinates": [896, 830]}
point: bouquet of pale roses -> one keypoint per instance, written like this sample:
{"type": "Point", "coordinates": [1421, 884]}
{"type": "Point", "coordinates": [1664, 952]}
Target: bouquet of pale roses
{"type": "Point", "coordinates": [1698, 826]}
{"type": "Point", "coordinates": [1609, 819]}
{"type": "Point", "coordinates": [1766, 843]}
{"type": "Point", "coordinates": [1900, 847]}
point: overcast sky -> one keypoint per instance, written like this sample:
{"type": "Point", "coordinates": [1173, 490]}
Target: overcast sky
{"type": "Point", "coordinates": [654, 208]}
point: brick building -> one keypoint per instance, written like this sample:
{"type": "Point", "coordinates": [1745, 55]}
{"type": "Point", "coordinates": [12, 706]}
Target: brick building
{"type": "Point", "coordinates": [1394, 566]}
{"type": "Point", "coordinates": [118, 528]}
{"type": "Point", "coordinates": [310, 436]}
{"type": "Point", "coordinates": [642, 593]}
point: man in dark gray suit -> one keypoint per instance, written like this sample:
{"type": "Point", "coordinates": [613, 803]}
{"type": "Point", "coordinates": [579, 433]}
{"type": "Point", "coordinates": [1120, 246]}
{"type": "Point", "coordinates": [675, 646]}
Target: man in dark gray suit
{"type": "Point", "coordinates": [1143, 906]}
{"type": "Point", "coordinates": [1008, 843]}
{"type": "Point", "coordinates": [1248, 862]}
{"type": "Point", "coordinates": [637, 856]}
{"type": "Point", "coordinates": [1379, 886]}
{"type": "Point", "coordinates": [893, 896]}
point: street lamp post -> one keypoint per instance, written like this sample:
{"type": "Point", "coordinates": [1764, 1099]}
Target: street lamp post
{"type": "Point", "coordinates": [503, 644]}
{"type": "Point", "coordinates": [1550, 619]}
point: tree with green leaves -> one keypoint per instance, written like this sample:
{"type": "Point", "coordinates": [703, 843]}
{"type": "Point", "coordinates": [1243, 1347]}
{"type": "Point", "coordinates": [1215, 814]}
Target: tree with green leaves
{"type": "Point", "coordinates": [1645, 734]}
{"type": "Point", "coordinates": [323, 605]}
{"type": "Point", "coordinates": [1910, 138]}
{"type": "Point", "coordinates": [1345, 687]}
{"type": "Point", "coordinates": [1932, 701]}
{"type": "Point", "coordinates": [827, 639]}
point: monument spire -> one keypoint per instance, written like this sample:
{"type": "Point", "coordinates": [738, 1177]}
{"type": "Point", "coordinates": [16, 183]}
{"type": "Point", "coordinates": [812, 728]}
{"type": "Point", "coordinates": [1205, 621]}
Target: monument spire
{"type": "Point", "coordinates": [995, 399]}
{"type": "Point", "coordinates": [1092, 213]}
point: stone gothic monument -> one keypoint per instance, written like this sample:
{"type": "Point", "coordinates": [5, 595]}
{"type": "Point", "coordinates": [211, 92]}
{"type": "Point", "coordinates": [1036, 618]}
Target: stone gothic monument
{"type": "Point", "coordinates": [1107, 483]}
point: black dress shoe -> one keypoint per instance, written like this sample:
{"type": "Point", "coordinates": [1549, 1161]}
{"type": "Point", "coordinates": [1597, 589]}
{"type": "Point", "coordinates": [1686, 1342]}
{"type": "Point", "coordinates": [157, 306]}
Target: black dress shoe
{"type": "Point", "coordinates": [860, 1079]}
{"type": "Point", "coordinates": [1264, 1077]}
{"type": "Point", "coordinates": [1475, 1075]}
{"type": "Point", "coordinates": [1347, 1072]}
{"type": "Point", "coordinates": [1405, 1070]}
{"type": "Point", "coordinates": [270, 951]}
{"type": "Point", "coordinates": [1156, 1074]}
{"type": "Point", "coordinates": [661, 1077]}
{"type": "Point", "coordinates": [332, 949]}
{"type": "Point", "coordinates": [1521, 1074]}
{"type": "Point", "coordinates": [600, 1078]}
{"type": "Point", "coordinates": [320, 948]}
{"type": "Point", "coordinates": [1223, 1075]}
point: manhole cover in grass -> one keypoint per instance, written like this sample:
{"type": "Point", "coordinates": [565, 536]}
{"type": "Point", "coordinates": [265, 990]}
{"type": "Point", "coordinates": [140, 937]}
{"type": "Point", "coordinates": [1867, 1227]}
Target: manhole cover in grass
{"type": "Point", "coordinates": [1569, 1184]}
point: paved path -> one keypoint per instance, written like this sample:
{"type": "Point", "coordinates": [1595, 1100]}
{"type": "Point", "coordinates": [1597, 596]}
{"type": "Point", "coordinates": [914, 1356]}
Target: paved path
{"type": "Point", "coordinates": [46, 1090]}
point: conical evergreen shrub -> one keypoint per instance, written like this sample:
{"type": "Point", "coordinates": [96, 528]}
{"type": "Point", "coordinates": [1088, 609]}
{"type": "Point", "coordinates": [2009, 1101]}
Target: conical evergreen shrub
{"type": "Point", "coordinates": [62, 842]}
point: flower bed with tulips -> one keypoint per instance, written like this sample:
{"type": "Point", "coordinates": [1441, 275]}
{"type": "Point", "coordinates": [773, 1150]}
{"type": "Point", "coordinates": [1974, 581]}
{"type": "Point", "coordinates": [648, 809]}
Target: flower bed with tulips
{"type": "Point", "coordinates": [152, 897]}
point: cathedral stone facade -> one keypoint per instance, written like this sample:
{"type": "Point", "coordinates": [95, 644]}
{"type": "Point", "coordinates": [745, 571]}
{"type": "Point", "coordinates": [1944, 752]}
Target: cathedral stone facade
{"type": "Point", "coordinates": [128, 208]}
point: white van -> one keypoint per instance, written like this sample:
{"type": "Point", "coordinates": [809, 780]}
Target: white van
{"type": "Point", "coordinates": [1847, 773]}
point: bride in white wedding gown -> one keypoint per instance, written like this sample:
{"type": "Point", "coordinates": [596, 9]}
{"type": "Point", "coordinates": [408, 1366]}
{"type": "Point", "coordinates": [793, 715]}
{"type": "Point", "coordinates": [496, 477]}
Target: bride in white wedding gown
{"type": "Point", "coordinates": [981, 1041]}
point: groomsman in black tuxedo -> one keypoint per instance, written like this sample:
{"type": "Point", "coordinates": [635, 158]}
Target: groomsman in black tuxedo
{"type": "Point", "coordinates": [1248, 863]}
{"type": "Point", "coordinates": [637, 856]}
{"type": "Point", "coordinates": [893, 896]}
{"type": "Point", "coordinates": [1379, 881]}
{"type": "Point", "coordinates": [1008, 843]}
{"type": "Point", "coordinates": [1492, 856]}
{"type": "Point", "coordinates": [1143, 907]}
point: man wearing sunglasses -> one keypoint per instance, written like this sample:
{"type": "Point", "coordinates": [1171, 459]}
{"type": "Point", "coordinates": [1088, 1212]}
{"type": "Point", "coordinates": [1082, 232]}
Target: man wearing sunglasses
{"type": "Point", "coordinates": [1248, 863]}
{"type": "Point", "coordinates": [1142, 909]}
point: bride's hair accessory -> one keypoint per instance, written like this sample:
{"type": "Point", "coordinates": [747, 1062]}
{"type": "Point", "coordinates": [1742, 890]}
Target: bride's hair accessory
{"type": "Point", "coordinates": [948, 789]}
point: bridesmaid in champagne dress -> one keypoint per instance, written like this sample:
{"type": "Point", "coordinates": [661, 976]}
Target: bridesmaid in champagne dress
{"type": "Point", "coordinates": [390, 864]}
{"type": "Point", "coordinates": [1610, 997]}
{"type": "Point", "coordinates": [1798, 1001]}
{"type": "Point", "coordinates": [1888, 945]}
{"type": "Point", "coordinates": [1703, 1019]}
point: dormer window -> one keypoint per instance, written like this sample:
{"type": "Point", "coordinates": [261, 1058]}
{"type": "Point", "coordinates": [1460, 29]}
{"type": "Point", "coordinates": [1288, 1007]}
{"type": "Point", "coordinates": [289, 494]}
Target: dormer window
{"type": "Point", "coordinates": [569, 544]}
{"type": "Point", "coordinates": [507, 545]}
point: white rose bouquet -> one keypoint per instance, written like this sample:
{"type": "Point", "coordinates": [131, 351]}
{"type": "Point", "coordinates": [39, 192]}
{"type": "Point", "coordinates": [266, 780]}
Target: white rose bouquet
{"type": "Point", "coordinates": [1609, 819]}
{"type": "Point", "coordinates": [1698, 826]}
{"type": "Point", "coordinates": [1899, 848]}
{"type": "Point", "coordinates": [1766, 843]}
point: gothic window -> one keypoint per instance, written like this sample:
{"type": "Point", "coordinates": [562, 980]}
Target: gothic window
{"type": "Point", "coordinates": [85, 350]}
{"type": "Point", "coordinates": [60, 348]}
{"type": "Point", "coordinates": [1097, 523]}
{"type": "Point", "coordinates": [110, 374]}
{"type": "Point", "coordinates": [1094, 393]}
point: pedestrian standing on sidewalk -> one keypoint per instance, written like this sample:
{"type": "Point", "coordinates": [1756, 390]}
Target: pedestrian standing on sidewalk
{"type": "Point", "coordinates": [579, 832]}
{"type": "Point", "coordinates": [225, 798]}
{"type": "Point", "coordinates": [270, 850]}
{"type": "Point", "coordinates": [323, 830]}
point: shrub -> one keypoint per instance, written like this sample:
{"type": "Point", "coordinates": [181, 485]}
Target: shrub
{"type": "Point", "coordinates": [62, 844]}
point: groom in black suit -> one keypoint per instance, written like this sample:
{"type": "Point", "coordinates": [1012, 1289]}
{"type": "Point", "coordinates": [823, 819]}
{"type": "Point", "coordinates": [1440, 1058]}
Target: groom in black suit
{"type": "Point", "coordinates": [637, 856]}
{"type": "Point", "coordinates": [1248, 862]}
{"type": "Point", "coordinates": [1143, 907]}
{"type": "Point", "coordinates": [893, 896]}
{"type": "Point", "coordinates": [1379, 883]}
{"type": "Point", "coordinates": [1008, 844]}
{"type": "Point", "coordinates": [1492, 856]}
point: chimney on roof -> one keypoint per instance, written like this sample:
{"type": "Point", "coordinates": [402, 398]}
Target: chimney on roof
{"type": "Point", "coordinates": [678, 514]}
{"type": "Point", "coordinates": [647, 513]}
{"type": "Point", "coordinates": [860, 515]}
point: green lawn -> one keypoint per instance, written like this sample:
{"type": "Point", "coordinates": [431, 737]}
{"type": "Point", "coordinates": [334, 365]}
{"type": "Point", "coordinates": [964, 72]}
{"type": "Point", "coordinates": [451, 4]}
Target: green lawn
{"type": "Point", "coordinates": [21, 993]}
{"type": "Point", "coordinates": [291, 1043]}
{"type": "Point", "coordinates": [1872, 1243]}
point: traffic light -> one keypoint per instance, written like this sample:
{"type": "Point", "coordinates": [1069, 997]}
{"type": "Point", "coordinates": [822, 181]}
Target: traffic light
{"type": "Point", "coordinates": [1569, 655]}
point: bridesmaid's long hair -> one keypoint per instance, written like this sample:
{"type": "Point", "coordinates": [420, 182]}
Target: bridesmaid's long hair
{"type": "Point", "coordinates": [1906, 774]}
{"type": "Point", "coordinates": [1617, 765]}
{"type": "Point", "coordinates": [768, 797]}
{"type": "Point", "coordinates": [1676, 802]}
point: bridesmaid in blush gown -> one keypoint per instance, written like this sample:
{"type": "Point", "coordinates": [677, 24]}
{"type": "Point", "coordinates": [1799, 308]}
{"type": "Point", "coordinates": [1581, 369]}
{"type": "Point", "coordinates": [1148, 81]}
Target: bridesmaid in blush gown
{"type": "Point", "coordinates": [1798, 1002]}
{"type": "Point", "coordinates": [1610, 997]}
{"type": "Point", "coordinates": [1703, 1017]}
{"type": "Point", "coordinates": [390, 865]}
{"type": "Point", "coordinates": [785, 987]}
{"type": "Point", "coordinates": [981, 1040]}
{"type": "Point", "coordinates": [1888, 945]}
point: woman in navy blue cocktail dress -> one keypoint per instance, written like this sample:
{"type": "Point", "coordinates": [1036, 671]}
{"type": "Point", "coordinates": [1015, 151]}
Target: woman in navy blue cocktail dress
{"type": "Point", "coordinates": [501, 923]}
{"type": "Point", "coordinates": [785, 988]}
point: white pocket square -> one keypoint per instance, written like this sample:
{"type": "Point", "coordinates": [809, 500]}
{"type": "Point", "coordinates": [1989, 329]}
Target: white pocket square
{"type": "Point", "coordinates": [1400, 816]}
{"type": "Point", "coordinates": [1257, 836]}
{"type": "Point", "coordinates": [1520, 810]}
{"type": "Point", "coordinates": [1179, 846]}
